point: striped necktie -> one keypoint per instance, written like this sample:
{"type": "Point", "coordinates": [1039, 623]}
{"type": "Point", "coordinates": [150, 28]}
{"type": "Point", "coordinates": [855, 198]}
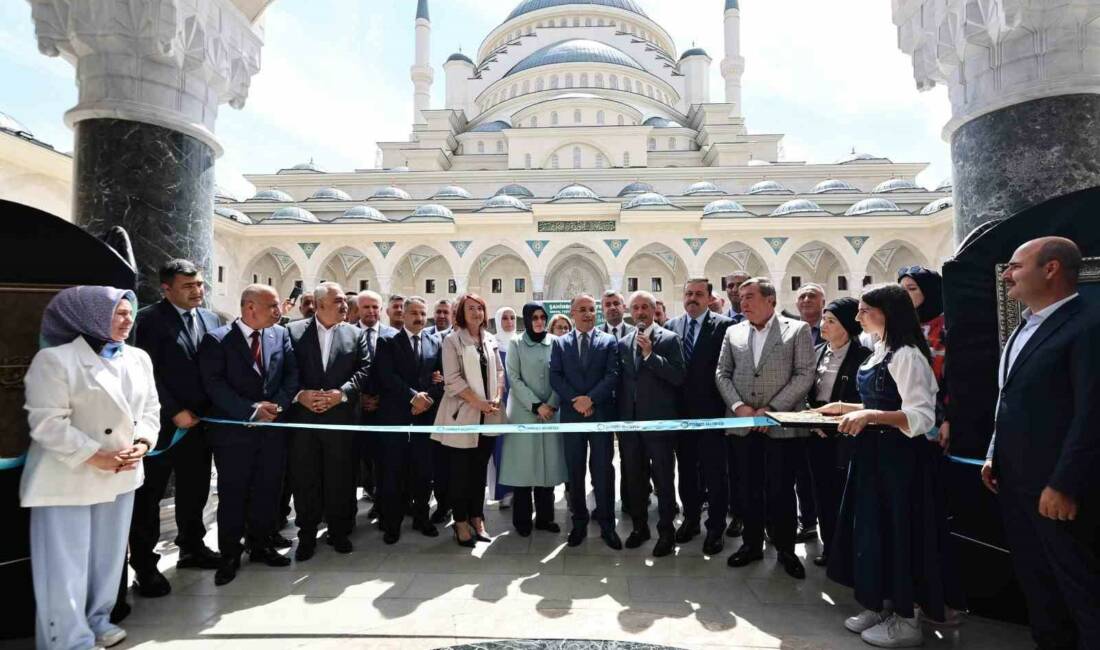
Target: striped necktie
{"type": "Point", "coordinates": [689, 341]}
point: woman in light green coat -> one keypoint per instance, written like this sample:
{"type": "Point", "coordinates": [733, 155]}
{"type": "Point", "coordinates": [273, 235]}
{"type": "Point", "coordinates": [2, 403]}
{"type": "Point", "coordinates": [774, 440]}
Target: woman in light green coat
{"type": "Point", "coordinates": [532, 462]}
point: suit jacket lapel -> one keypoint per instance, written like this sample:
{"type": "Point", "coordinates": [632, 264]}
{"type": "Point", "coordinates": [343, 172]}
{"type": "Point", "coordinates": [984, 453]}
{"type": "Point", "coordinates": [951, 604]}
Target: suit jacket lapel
{"type": "Point", "coordinates": [1049, 327]}
{"type": "Point", "coordinates": [105, 378]}
{"type": "Point", "coordinates": [237, 340]}
{"type": "Point", "coordinates": [269, 350]}
{"type": "Point", "coordinates": [176, 320]}
{"type": "Point", "coordinates": [774, 337]}
{"type": "Point", "coordinates": [334, 346]}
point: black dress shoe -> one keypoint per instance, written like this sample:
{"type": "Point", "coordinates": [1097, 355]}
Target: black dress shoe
{"type": "Point", "coordinates": [152, 584]}
{"type": "Point", "coordinates": [342, 545]}
{"type": "Point", "coordinates": [611, 538]}
{"type": "Point", "coordinates": [227, 571]}
{"type": "Point", "coordinates": [821, 560]}
{"type": "Point", "coordinates": [713, 544]}
{"type": "Point", "coordinates": [121, 610]}
{"type": "Point", "coordinates": [391, 536]}
{"type": "Point", "coordinates": [439, 516]}
{"type": "Point", "coordinates": [548, 526]}
{"type": "Point", "coordinates": [577, 535]}
{"type": "Point", "coordinates": [306, 549]}
{"type": "Point", "coordinates": [278, 541]}
{"type": "Point", "coordinates": [426, 528]}
{"type": "Point", "coordinates": [806, 534]}
{"type": "Point", "coordinates": [523, 531]}
{"type": "Point", "coordinates": [687, 532]}
{"type": "Point", "coordinates": [792, 565]}
{"type": "Point", "coordinates": [664, 545]}
{"type": "Point", "coordinates": [372, 514]}
{"type": "Point", "coordinates": [637, 537]}
{"type": "Point", "coordinates": [268, 556]}
{"type": "Point", "coordinates": [745, 556]}
{"type": "Point", "coordinates": [200, 558]}
{"type": "Point", "coordinates": [735, 528]}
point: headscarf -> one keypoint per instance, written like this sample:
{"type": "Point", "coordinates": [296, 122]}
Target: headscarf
{"type": "Point", "coordinates": [528, 319]}
{"type": "Point", "coordinates": [84, 311]}
{"type": "Point", "coordinates": [931, 285]}
{"type": "Point", "coordinates": [845, 310]}
{"type": "Point", "coordinates": [504, 338]}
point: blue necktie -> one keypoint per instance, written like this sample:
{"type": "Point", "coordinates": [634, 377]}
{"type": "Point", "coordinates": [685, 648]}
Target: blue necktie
{"type": "Point", "coordinates": [689, 341]}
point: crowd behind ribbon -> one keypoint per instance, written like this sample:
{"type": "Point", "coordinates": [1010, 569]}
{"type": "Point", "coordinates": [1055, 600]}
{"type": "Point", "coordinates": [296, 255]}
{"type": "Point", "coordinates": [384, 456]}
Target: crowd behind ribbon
{"type": "Point", "coordinates": [111, 422]}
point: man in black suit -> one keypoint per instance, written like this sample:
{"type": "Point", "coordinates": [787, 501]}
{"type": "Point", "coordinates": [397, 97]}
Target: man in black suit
{"type": "Point", "coordinates": [733, 288]}
{"type": "Point", "coordinates": [170, 331]}
{"type": "Point", "coordinates": [333, 366]}
{"type": "Point", "coordinates": [410, 376]}
{"type": "Point", "coordinates": [442, 318]}
{"type": "Point", "coordinates": [251, 375]}
{"type": "Point", "coordinates": [370, 321]}
{"type": "Point", "coordinates": [1042, 460]}
{"type": "Point", "coordinates": [701, 453]}
{"type": "Point", "coordinates": [652, 362]}
{"type": "Point", "coordinates": [614, 308]}
{"type": "Point", "coordinates": [733, 284]}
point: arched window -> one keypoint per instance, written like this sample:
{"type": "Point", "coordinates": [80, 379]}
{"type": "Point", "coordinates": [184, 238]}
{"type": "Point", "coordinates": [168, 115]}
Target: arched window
{"type": "Point", "coordinates": [554, 163]}
{"type": "Point", "coordinates": [561, 23]}
{"type": "Point", "coordinates": [576, 21]}
{"type": "Point", "coordinates": [599, 117]}
{"type": "Point", "coordinates": [649, 90]}
{"type": "Point", "coordinates": [622, 121]}
{"type": "Point", "coordinates": [527, 160]}
{"type": "Point", "coordinates": [626, 159]}
{"type": "Point", "coordinates": [600, 164]}
{"type": "Point", "coordinates": [553, 82]}
{"type": "Point", "coordinates": [540, 84]}
{"type": "Point", "coordinates": [568, 79]}
{"type": "Point", "coordinates": [526, 86]}
{"type": "Point", "coordinates": [576, 157]}
{"type": "Point", "coordinates": [577, 116]}
{"type": "Point", "coordinates": [652, 144]}
{"type": "Point", "coordinates": [481, 147]}
{"type": "Point", "coordinates": [672, 144]}
{"type": "Point", "coordinates": [584, 80]}
{"type": "Point", "coordinates": [512, 91]}
{"type": "Point", "coordinates": [614, 81]}
{"type": "Point", "coordinates": [587, 22]}
{"type": "Point", "coordinates": [500, 146]}
{"type": "Point", "coordinates": [599, 80]}
{"type": "Point", "coordinates": [599, 22]}
{"type": "Point", "coordinates": [554, 118]}
{"type": "Point", "coordinates": [638, 86]}
{"type": "Point", "coordinates": [534, 121]}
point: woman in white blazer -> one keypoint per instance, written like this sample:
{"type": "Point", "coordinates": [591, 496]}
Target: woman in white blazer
{"type": "Point", "coordinates": [93, 411]}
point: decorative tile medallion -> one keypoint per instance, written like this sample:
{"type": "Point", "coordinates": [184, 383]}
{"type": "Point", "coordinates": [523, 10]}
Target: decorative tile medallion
{"type": "Point", "coordinates": [537, 246]}
{"type": "Point", "coordinates": [776, 243]}
{"type": "Point", "coordinates": [616, 245]}
{"type": "Point", "coordinates": [856, 241]}
{"type": "Point", "coordinates": [695, 243]}
{"type": "Point", "coordinates": [384, 247]}
{"type": "Point", "coordinates": [309, 247]}
{"type": "Point", "coordinates": [461, 246]}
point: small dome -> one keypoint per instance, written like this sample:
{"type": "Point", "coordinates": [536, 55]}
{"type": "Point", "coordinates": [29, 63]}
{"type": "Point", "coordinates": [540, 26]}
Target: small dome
{"type": "Point", "coordinates": [389, 194]}
{"type": "Point", "coordinates": [527, 6]}
{"type": "Point", "coordinates": [273, 195]}
{"type": "Point", "coordinates": [329, 194]}
{"type": "Point", "coordinates": [518, 191]}
{"type": "Point", "coordinates": [293, 213]}
{"type": "Point", "coordinates": [724, 208]}
{"type": "Point", "coordinates": [302, 168]}
{"type": "Point", "coordinates": [234, 215]}
{"type": "Point", "coordinates": [872, 206]}
{"type": "Point", "coordinates": [459, 56]}
{"type": "Point", "coordinates": [505, 202]}
{"type": "Point", "coordinates": [636, 188]}
{"type": "Point", "coordinates": [364, 212]}
{"type": "Point", "coordinates": [432, 211]}
{"type": "Point", "coordinates": [797, 206]}
{"type": "Point", "coordinates": [946, 185]}
{"type": "Point", "coordinates": [577, 50]}
{"type": "Point", "coordinates": [937, 205]}
{"type": "Point", "coordinates": [896, 185]}
{"type": "Point", "coordinates": [648, 200]}
{"type": "Point", "coordinates": [222, 195]}
{"type": "Point", "coordinates": [855, 156]}
{"type": "Point", "coordinates": [659, 122]}
{"type": "Point", "coordinates": [576, 192]}
{"type": "Point", "coordinates": [833, 186]}
{"type": "Point", "coordinates": [703, 188]}
{"type": "Point", "coordinates": [695, 51]}
{"type": "Point", "coordinates": [769, 187]}
{"type": "Point", "coordinates": [451, 192]}
{"type": "Point", "coordinates": [491, 127]}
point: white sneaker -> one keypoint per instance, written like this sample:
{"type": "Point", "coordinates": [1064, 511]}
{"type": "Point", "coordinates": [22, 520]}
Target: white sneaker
{"type": "Point", "coordinates": [865, 620]}
{"type": "Point", "coordinates": [112, 637]}
{"type": "Point", "coordinates": [895, 632]}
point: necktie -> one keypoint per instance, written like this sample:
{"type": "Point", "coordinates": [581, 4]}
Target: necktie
{"type": "Point", "coordinates": [584, 349]}
{"type": "Point", "coordinates": [189, 324]}
{"type": "Point", "coordinates": [689, 341]}
{"type": "Point", "coordinates": [257, 351]}
{"type": "Point", "coordinates": [370, 342]}
{"type": "Point", "coordinates": [416, 349]}
{"type": "Point", "coordinates": [615, 331]}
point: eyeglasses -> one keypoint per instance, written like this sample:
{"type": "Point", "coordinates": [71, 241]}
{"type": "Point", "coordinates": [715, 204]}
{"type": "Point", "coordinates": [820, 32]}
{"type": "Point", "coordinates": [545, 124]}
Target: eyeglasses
{"type": "Point", "coordinates": [909, 270]}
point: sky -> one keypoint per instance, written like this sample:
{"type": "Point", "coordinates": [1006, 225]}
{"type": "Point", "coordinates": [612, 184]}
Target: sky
{"type": "Point", "coordinates": [334, 79]}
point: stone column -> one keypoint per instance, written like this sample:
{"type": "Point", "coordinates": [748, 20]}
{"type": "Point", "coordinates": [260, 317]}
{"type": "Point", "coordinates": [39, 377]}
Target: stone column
{"type": "Point", "coordinates": [151, 75]}
{"type": "Point", "coordinates": [1024, 83]}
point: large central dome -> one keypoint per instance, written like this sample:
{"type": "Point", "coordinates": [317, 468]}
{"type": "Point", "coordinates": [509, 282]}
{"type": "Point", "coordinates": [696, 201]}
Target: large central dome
{"type": "Point", "coordinates": [527, 6]}
{"type": "Point", "coordinates": [577, 50]}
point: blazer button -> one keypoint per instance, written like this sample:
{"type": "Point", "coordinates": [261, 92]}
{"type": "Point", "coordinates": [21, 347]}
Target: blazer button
{"type": "Point", "coordinates": [107, 431]}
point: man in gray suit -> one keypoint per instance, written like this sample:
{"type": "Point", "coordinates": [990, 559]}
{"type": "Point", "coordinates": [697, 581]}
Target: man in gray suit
{"type": "Point", "coordinates": [766, 364]}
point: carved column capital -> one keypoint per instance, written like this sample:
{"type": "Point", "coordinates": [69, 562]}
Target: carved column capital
{"type": "Point", "coordinates": [164, 62]}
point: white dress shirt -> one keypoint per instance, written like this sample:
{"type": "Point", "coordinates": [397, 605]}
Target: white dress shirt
{"type": "Point", "coordinates": [828, 370]}
{"type": "Point", "coordinates": [916, 386]}
{"type": "Point", "coordinates": [324, 337]}
{"type": "Point", "coordinates": [758, 337]}
{"type": "Point", "coordinates": [195, 334]}
{"type": "Point", "coordinates": [702, 318]}
{"type": "Point", "coordinates": [247, 331]}
{"type": "Point", "coordinates": [618, 331]}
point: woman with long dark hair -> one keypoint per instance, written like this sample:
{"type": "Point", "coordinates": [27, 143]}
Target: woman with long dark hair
{"type": "Point", "coordinates": [895, 556]}
{"type": "Point", "coordinates": [925, 288]}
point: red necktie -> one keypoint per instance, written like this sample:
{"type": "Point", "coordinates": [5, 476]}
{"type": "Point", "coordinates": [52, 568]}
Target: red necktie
{"type": "Point", "coordinates": [257, 352]}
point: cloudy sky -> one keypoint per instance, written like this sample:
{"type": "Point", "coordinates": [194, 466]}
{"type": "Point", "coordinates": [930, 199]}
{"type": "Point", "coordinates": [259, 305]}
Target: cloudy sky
{"type": "Point", "coordinates": [335, 79]}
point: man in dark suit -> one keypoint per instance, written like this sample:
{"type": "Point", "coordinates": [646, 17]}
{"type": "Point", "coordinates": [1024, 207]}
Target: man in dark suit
{"type": "Point", "coordinates": [170, 331]}
{"type": "Point", "coordinates": [810, 302]}
{"type": "Point", "coordinates": [701, 453]}
{"type": "Point", "coordinates": [733, 286]}
{"type": "Point", "coordinates": [733, 312]}
{"type": "Point", "coordinates": [442, 318]}
{"type": "Point", "coordinates": [649, 385]}
{"type": "Point", "coordinates": [370, 321]}
{"type": "Point", "coordinates": [250, 373]}
{"type": "Point", "coordinates": [410, 376]}
{"type": "Point", "coordinates": [1042, 460]}
{"type": "Point", "coordinates": [333, 366]}
{"type": "Point", "coordinates": [614, 308]}
{"type": "Point", "coordinates": [584, 370]}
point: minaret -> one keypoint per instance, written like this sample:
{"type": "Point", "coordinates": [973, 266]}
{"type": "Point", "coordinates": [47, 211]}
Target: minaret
{"type": "Point", "coordinates": [421, 72]}
{"type": "Point", "coordinates": [733, 66]}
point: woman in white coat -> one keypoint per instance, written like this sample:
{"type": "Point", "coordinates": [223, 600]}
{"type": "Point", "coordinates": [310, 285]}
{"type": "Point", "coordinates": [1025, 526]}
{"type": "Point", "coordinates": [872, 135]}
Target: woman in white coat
{"type": "Point", "coordinates": [92, 406]}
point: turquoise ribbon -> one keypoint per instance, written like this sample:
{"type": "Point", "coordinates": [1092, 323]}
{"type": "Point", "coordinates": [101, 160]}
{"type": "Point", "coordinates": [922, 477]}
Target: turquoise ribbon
{"type": "Point", "coordinates": [176, 437]}
{"type": "Point", "coordinates": [12, 463]}
{"type": "Point", "coordinates": [966, 461]}
{"type": "Point", "coordinates": [549, 427]}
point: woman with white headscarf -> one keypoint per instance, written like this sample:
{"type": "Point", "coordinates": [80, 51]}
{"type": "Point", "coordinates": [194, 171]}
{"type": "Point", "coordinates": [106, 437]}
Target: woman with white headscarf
{"type": "Point", "coordinates": [506, 332]}
{"type": "Point", "coordinates": [93, 412]}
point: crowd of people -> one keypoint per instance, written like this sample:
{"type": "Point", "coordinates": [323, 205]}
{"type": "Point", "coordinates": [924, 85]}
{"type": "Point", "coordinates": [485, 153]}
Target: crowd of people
{"type": "Point", "coordinates": [111, 421]}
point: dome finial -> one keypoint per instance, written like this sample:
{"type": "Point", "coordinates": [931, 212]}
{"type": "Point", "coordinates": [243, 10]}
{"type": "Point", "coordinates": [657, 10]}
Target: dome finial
{"type": "Point", "coordinates": [422, 10]}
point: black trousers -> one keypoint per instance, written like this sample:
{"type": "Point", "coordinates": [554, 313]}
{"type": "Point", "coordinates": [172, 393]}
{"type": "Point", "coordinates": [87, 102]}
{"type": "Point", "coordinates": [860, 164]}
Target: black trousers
{"type": "Point", "coordinates": [469, 469]}
{"type": "Point", "coordinates": [366, 445]}
{"type": "Point", "coordinates": [624, 491]}
{"type": "Point", "coordinates": [804, 488]}
{"type": "Point", "coordinates": [1059, 571]}
{"type": "Point", "coordinates": [250, 481]}
{"type": "Point", "coordinates": [441, 475]}
{"type": "Point", "coordinates": [591, 454]}
{"type": "Point", "coordinates": [733, 500]}
{"type": "Point", "coordinates": [654, 451]}
{"type": "Point", "coordinates": [190, 459]}
{"type": "Point", "coordinates": [829, 458]}
{"type": "Point", "coordinates": [406, 463]}
{"type": "Point", "coordinates": [767, 469]}
{"type": "Point", "coordinates": [701, 463]}
{"type": "Point", "coordinates": [521, 506]}
{"type": "Point", "coordinates": [322, 470]}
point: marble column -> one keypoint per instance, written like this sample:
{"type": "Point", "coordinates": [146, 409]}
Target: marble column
{"type": "Point", "coordinates": [151, 76]}
{"type": "Point", "coordinates": [1024, 86]}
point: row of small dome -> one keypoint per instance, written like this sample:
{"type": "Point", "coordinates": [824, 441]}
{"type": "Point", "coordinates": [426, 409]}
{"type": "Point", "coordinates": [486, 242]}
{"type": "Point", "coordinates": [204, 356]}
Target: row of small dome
{"type": "Point", "coordinates": [703, 188]}
{"type": "Point", "coordinates": [719, 209]}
